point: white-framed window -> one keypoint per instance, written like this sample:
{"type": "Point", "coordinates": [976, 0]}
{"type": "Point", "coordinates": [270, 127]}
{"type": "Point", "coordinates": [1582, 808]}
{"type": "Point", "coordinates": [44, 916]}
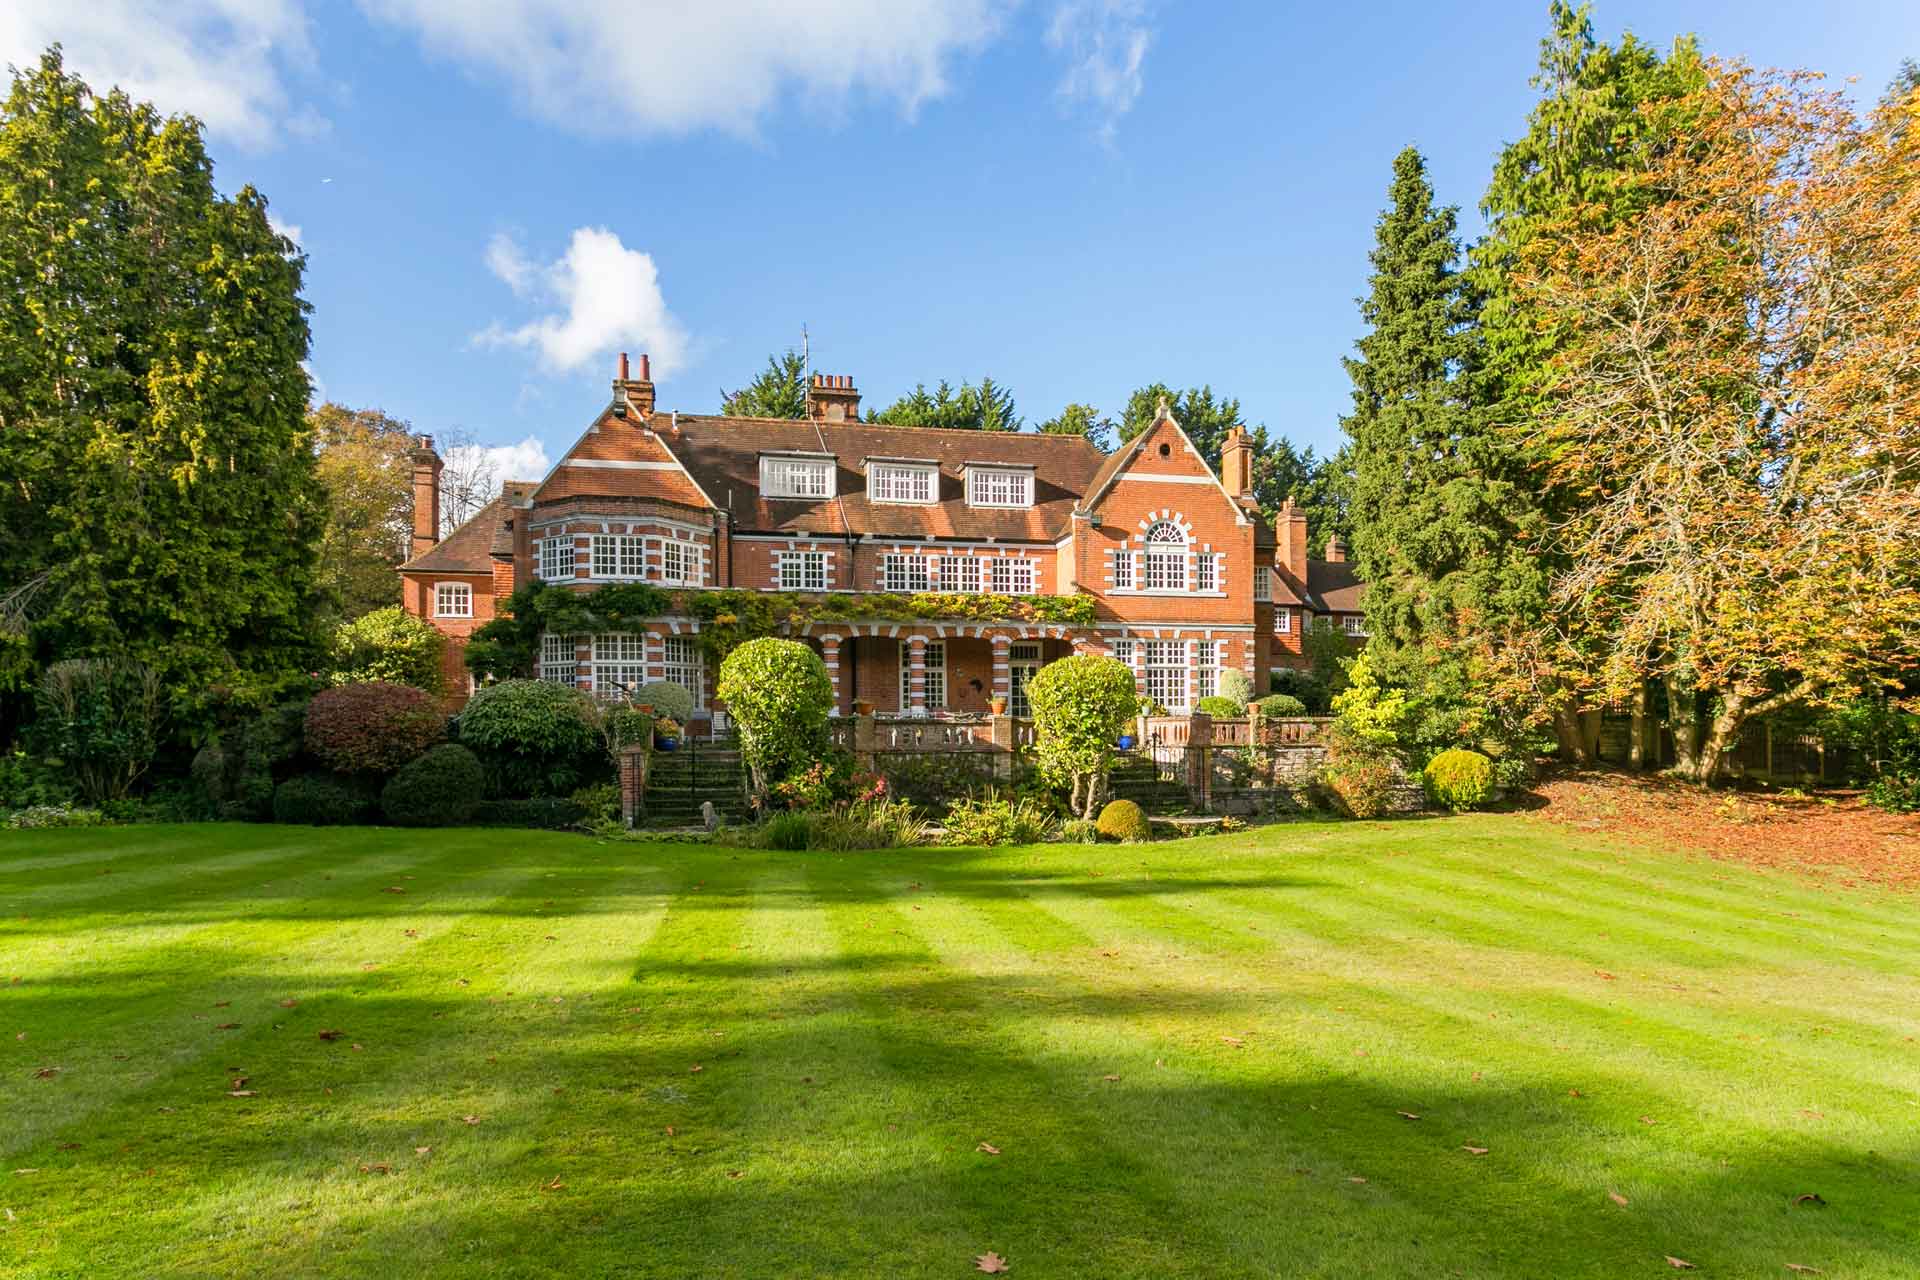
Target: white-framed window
{"type": "Point", "coordinates": [1206, 671]}
{"type": "Point", "coordinates": [679, 561]}
{"type": "Point", "coordinates": [605, 561]}
{"type": "Point", "coordinates": [1262, 584]}
{"type": "Point", "coordinates": [452, 600]}
{"type": "Point", "coordinates": [556, 559]}
{"type": "Point", "coordinates": [1166, 567]}
{"type": "Point", "coordinates": [803, 571]}
{"type": "Point", "coordinates": [796, 477]}
{"type": "Point", "coordinates": [1166, 670]}
{"type": "Point", "coordinates": [1206, 572]}
{"type": "Point", "coordinates": [1123, 652]}
{"type": "Point", "coordinates": [1012, 577]}
{"type": "Point", "coordinates": [633, 558]}
{"type": "Point", "coordinates": [619, 661]}
{"type": "Point", "coordinates": [559, 659]}
{"type": "Point", "coordinates": [934, 668]}
{"type": "Point", "coordinates": [898, 482]}
{"type": "Point", "coordinates": [1283, 621]}
{"type": "Point", "coordinates": [959, 573]}
{"type": "Point", "coordinates": [684, 664]}
{"type": "Point", "coordinates": [903, 573]}
{"type": "Point", "coordinates": [1354, 624]}
{"type": "Point", "coordinates": [1123, 570]}
{"type": "Point", "coordinates": [1023, 663]}
{"type": "Point", "coordinates": [994, 488]}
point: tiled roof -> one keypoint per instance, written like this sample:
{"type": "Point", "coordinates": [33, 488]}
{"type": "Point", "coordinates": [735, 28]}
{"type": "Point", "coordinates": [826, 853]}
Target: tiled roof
{"type": "Point", "coordinates": [722, 455]}
{"type": "Point", "coordinates": [471, 547]}
{"type": "Point", "coordinates": [1334, 586]}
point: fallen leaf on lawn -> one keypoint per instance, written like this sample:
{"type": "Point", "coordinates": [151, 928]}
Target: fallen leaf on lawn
{"type": "Point", "coordinates": [669, 1131]}
{"type": "Point", "coordinates": [1812, 1197]}
{"type": "Point", "coordinates": [289, 1003]}
{"type": "Point", "coordinates": [1602, 973]}
{"type": "Point", "coordinates": [1803, 1269]}
{"type": "Point", "coordinates": [551, 938]}
{"type": "Point", "coordinates": [1648, 1120]}
{"type": "Point", "coordinates": [1235, 1041]}
{"type": "Point", "coordinates": [69, 1146]}
{"type": "Point", "coordinates": [555, 1185]}
{"type": "Point", "coordinates": [1617, 1198]}
{"type": "Point", "coordinates": [988, 1148]}
{"type": "Point", "coordinates": [227, 1026]}
{"type": "Point", "coordinates": [358, 1049]}
{"type": "Point", "coordinates": [1356, 1179]}
{"type": "Point", "coordinates": [695, 1069]}
{"type": "Point", "coordinates": [393, 888]}
{"type": "Point", "coordinates": [1815, 1114]}
{"type": "Point", "coordinates": [21, 1036]}
{"type": "Point", "coordinates": [462, 982]}
{"type": "Point", "coordinates": [221, 1004]}
{"type": "Point", "coordinates": [1407, 1115]}
{"type": "Point", "coordinates": [239, 1082]}
{"type": "Point", "coordinates": [471, 1119]}
{"type": "Point", "coordinates": [411, 933]}
{"type": "Point", "coordinates": [736, 1173]}
{"type": "Point", "coordinates": [46, 1073]}
{"type": "Point", "coordinates": [382, 1167]}
{"type": "Point", "coordinates": [1109, 1077]}
{"type": "Point", "coordinates": [239, 1093]}
{"type": "Point", "coordinates": [990, 1261]}
{"type": "Point", "coordinates": [1475, 1151]}
{"type": "Point", "coordinates": [331, 1035]}
{"type": "Point", "coordinates": [421, 1151]}
{"type": "Point", "coordinates": [1679, 1264]}
{"type": "Point", "coordinates": [19, 1172]}
{"type": "Point", "coordinates": [369, 965]}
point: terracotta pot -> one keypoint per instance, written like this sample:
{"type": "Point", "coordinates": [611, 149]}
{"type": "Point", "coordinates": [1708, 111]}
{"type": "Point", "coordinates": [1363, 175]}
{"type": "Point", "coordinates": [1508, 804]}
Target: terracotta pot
{"type": "Point", "coordinates": [861, 707]}
{"type": "Point", "coordinates": [997, 705]}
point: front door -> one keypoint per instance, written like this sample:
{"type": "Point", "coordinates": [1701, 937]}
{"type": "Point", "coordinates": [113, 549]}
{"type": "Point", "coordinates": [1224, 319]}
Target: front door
{"type": "Point", "coordinates": [1022, 661]}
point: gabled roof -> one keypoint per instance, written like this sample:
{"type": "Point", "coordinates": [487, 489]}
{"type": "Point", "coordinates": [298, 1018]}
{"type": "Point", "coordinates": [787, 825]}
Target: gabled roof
{"type": "Point", "coordinates": [471, 547]}
{"type": "Point", "coordinates": [1333, 586]}
{"type": "Point", "coordinates": [723, 457]}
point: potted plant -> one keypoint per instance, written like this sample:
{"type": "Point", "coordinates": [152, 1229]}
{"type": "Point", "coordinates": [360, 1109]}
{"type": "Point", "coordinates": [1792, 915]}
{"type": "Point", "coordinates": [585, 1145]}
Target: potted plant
{"type": "Point", "coordinates": [1126, 742]}
{"type": "Point", "coordinates": [666, 735]}
{"type": "Point", "coordinates": [862, 707]}
{"type": "Point", "coordinates": [997, 704]}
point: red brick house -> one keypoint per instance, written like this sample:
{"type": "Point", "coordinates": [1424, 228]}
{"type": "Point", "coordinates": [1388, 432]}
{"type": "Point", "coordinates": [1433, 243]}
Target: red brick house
{"type": "Point", "coordinates": [1185, 572]}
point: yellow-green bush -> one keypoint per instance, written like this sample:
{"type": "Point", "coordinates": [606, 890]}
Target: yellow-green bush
{"type": "Point", "coordinates": [1123, 820]}
{"type": "Point", "coordinates": [1459, 779]}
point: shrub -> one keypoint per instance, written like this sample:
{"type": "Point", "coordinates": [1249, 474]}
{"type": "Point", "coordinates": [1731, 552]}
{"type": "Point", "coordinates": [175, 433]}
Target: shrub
{"type": "Point", "coordinates": [319, 800]}
{"type": "Point", "coordinates": [1080, 831]}
{"type": "Point", "coordinates": [440, 789]}
{"type": "Point", "coordinates": [1894, 747]}
{"type": "Point", "coordinates": [1458, 779]}
{"type": "Point", "coordinates": [27, 782]}
{"type": "Point", "coordinates": [99, 718]}
{"type": "Point", "coordinates": [1124, 820]}
{"type": "Point", "coordinates": [779, 694]}
{"type": "Point", "coordinates": [870, 824]}
{"type": "Point", "coordinates": [40, 816]}
{"type": "Point", "coordinates": [1237, 686]}
{"type": "Point", "coordinates": [371, 727]}
{"type": "Point", "coordinates": [1081, 705]}
{"type": "Point", "coordinates": [667, 699]}
{"type": "Point", "coordinates": [544, 813]}
{"type": "Point", "coordinates": [236, 769]}
{"type": "Point", "coordinates": [599, 804]}
{"type": "Point", "coordinates": [1281, 704]}
{"type": "Point", "coordinates": [991, 820]}
{"type": "Point", "coordinates": [1220, 708]}
{"type": "Point", "coordinates": [1359, 776]}
{"type": "Point", "coordinates": [532, 736]}
{"type": "Point", "coordinates": [788, 832]}
{"type": "Point", "coordinates": [1370, 710]}
{"type": "Point", "coordinates": [389, 646]}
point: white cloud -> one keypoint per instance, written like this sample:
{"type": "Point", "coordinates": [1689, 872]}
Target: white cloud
{"type": "Point", "coordinates": [1105, 44]}
{"type": "Point", "coordinates": [605, 297]}
{"type": "Point", "coordinates": [291, 230]}
{"type": "Point", "coordinates": [222, 60]}
{"type": "Point", "coordinates": [526, 460]}
{"type": "Point", "coordinates": [615, 67]}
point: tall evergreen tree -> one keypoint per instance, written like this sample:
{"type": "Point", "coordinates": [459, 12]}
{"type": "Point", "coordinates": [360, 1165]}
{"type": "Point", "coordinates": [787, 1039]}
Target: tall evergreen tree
{"type": "Point", "coordinates": [987, 407]}
{"type": "Point", "coordinates": [779, 392]}
{"type": "Point", "coordinates": [1081, 420]}
{"type": "Point", "coordinates": [158, 498]}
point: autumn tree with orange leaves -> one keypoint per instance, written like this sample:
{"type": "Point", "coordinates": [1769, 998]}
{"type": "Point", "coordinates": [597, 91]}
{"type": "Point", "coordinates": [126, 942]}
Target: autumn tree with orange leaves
{"type": "Point", "coordinates": [1732, 420]}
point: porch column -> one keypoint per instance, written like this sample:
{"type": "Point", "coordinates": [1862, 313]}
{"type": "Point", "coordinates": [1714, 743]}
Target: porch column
{"type": "Point", "coordinates": [830, 654]}
{"type": "Point", "coordinates": [917, 675]}
{"type": "Point", "coordinates": [1002, 686]}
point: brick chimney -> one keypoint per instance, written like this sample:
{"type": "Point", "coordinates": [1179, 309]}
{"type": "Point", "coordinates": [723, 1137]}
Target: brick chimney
{"type": "Point", "coordinates": [636, 392]}
{"type": "Point", "coordinates": [1290, 531]}
{"type": "Point", "coordinates": [426, 496]}
{"type": "Point", "coordinates": [1336, 549]}
{"type": "Point", "coordinates": [1236, 463]}
{"type": "Point", "coordinates": [832, 398]}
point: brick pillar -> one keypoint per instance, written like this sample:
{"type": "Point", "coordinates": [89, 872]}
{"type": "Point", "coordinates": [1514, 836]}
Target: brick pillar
{"type": "Point", "coordinates": [633, 783]}
{"type": "Point", "coordinates": [1003, 745]}
{"type": "Point", "coordinates": [1002, 686]}
{"type": "Point", "coordinates": [916, 675]}
{"type": "Point", "coordinates": [865, 738]}
{"type": "Point", "coordinates": [830, 654]}
{"type": "Point", "coordinates": [1200, 761]}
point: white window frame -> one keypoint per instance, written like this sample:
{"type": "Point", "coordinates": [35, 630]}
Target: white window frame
{"type": "Point", "coordinates": [1165, 567]}
{"type": "Point", "coordinates": [1010, 572]}
{"type": "Point", "coordinates": [960, 574]}
{"type": "Point", "coordinates": [903, 482]}
{"type": "Point", "coordinates": [1123, 570]}
{"type": "Point", "coordinates": [462, 592]}
{"type": "Point", "coordinates": [999, 487]}
{"type": "Point", "coordinates": [559, 659]}
{"type": "Point", "coordinates": [803, 571]}
{"type": "Point", "coordinates": [1354, 624]}
{"type": "Point", "coordinates": [556, 560]}
{"type": "Point", "coordinates": [1026, 657]}
{"type": "Point", "coordinates": [682, 663]}
{"type": "Point", "coordinates": [1206, 572]}
{"type": "Point", "coordinates": [933, 669]}
{"type": "Point", "coordinates": [911, 575]}
{"type": "Point", "coordinates": [1283, 621]}
{"type": "Point", "coordinates": [1165, 672]}
{"type": "Point", "coordinates": [805, 478]}
{"type": "Point", "coordinates": [1262, 584]}
{"type": "Point", "coordinates": [687, 572]}
{"type": "Point", "coordinates": [619, 660]}
{"type": "Point", "coordinates": [1206, 671]}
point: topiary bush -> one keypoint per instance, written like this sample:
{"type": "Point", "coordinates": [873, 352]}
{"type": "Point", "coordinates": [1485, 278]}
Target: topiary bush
{"type": "Point", "coordinates": [533, 737]}
{"type": "Point", "coordinates": [1123, 820]}
{"type": "Point", "coordinates": [779, 693]}
{"type": "Point", "coordinates": [1458, 779]}
{"type": "Point", "coordinates": [1081, 705]}
{"type": "Point", "coordinates": [440, 789]}
{"type": "Point", "coordinates": [389, 646]}
{"type": "Point", "coordinates": [1220, 708]}
{"type": "Point", "coordinates": [372, 727]}
{"type": "Point", "coordinates": [1281, 704]}
{"type": "Point", "coordinates": [319, 800]}
{"type": "Point", "coordinates": [1237, 686]}
{"type": "Point", "coordinates": [667, 699]}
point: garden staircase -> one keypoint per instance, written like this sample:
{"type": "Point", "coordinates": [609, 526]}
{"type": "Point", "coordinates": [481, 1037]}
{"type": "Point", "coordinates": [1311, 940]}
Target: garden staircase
{"type": "Point", "coordinates": [679, 782]}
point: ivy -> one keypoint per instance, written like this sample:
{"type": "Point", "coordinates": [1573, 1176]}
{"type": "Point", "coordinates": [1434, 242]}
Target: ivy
{"type": "Point", "coordinates": [508, 646]}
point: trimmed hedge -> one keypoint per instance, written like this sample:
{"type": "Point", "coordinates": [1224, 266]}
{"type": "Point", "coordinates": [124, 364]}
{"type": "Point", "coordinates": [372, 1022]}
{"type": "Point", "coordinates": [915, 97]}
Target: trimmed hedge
{"type": "Point", "coordinates": [1281, 704]}
{"type": "Point", "coordinates": [667, 699]}
{"type": "Point", "coordinates": [1123, 820]}
{"type": "Point", "coordinates": [1459, 779]}
{"type": "Point", "coordinates": [319, 800]}
{"type": "Point", "coordinates": [372, 727]}
{"type": "Point", "coordinates": [440, 789]}
{"type": "Point", "coordinates": [544, 813]}
{"type": "Point", "coordinates": [1220, 708]}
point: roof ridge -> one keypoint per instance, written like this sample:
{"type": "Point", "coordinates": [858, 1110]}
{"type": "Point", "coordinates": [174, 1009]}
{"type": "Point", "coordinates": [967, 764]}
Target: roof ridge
{"type": "Point", "coordinates": [897, 426]}
{"type": "Point", "coordinates": [478, 511]}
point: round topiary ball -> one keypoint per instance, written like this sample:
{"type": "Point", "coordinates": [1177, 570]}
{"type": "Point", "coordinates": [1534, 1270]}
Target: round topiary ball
{"type": "Point", "coordinates": [667, 699]}
{"type": "Point", "coordinates": [1220, 708]}
{"type": "Point", "coordinates": [440, 789]}
{"type": "Point", "coordinates": [318, 800]}
{"type": "Point", "coordinates": [1281, 704]}
{"type": "Point", "coordinates": [372, 727]}
{"type": "Point", "coordinates": [1123, 820]}
{"type": "Point", "coordinates": [1459, 779]}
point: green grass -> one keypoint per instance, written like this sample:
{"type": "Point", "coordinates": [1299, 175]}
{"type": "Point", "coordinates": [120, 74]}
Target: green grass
{"type": "Point", "coordinates": [1193, 1057]}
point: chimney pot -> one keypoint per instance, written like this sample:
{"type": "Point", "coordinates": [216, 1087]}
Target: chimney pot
{"type": "Point", "coordinates": [646, 367]}
{"type": "Point", "coordinates": [623, 366]}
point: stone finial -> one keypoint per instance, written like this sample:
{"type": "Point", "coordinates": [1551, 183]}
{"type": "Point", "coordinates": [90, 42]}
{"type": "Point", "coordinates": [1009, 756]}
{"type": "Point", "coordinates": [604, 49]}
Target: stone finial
{"type": "Point", "coordinates": [1163, 409]}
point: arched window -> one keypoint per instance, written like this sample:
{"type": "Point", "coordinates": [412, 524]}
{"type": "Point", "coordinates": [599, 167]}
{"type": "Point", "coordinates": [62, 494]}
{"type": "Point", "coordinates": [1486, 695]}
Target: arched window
{"type": "Point", "coordinates": [1166, 568]}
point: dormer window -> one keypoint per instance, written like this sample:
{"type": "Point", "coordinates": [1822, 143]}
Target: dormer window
{"type": "Point", "coordinates": [805, 475]}
{"type": "Point", "coordinates": [890, 480]}
{"type": "Point", "coordinates": [989, 486]}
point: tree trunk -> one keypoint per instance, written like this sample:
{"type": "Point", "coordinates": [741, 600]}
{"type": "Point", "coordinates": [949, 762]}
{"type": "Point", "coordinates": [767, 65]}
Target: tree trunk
{"type": "Point", "coordinates": [1572, 735]}
{"type": "Point", "coordinates": [1637, 734]}
{"type": "Point", "coordinates": [1683, 713]}
{"type": "Point", "coordinates": [1720, 737]}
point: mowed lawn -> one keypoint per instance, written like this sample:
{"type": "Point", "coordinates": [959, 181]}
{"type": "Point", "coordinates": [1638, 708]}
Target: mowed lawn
{"type": "Point", "coordinates": [1276, 1053]}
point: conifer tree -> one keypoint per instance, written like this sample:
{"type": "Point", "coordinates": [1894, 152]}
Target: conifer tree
{"type": "Point", "coordinates": [779, 392]}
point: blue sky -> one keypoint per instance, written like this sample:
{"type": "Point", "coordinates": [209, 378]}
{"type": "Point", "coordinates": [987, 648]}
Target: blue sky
{"type": "Point", "coordinates": [1074, 197]}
